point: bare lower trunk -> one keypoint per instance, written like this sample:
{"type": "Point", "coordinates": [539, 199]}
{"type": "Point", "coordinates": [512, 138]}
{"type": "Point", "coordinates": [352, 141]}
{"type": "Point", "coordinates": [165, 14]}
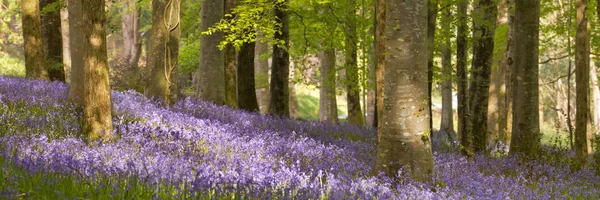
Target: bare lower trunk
{"type": "Point", "coordinates": [380, 57]}
{"type": "Point", "coordinates": [497, 99]}
{"type": "Point", "coordinates": [447, 124]}
{"type": "Point", "coordinates": [66, 43]}
{"type": "Point", "coordinates": [231, 93]}
{"type": "Point", "coordinates": [432, 10]}
{"type": "Point", "coordinates": [355, 115]}
{"type": "Point", "coordinates": [97, 107]}
{"type": "Point", "coordinates": [164, 51]}
{"type": "Point", "coordinates": [246, 92]}
{"type": "Point", "coordinates": [483, 50]}
{"type": "Point", "coordinates": [35, 64]}
{"type": "Point", "coordinates": [327, 95]}
{"type": "Point", "coordinates": [582, 64]}
{"type": "Point", "coordinates": [261, 70]}
{"type": "Point", "coordinates": [210, 84]}
{"type": "Point", "coordinates": [76, 39]}
{"type": "Point", "coordinates": [279, 89]}
{"type": "Point", "coordinates": [132, 40]}
{"type": "Point", "coordinates": [293, 100]}
{"type": "Point", "coordinates": [525, 128]}
{"type": "Point", "coordinates": [52, 40]}
{"type": "Point", "coordinates": [466, 139]}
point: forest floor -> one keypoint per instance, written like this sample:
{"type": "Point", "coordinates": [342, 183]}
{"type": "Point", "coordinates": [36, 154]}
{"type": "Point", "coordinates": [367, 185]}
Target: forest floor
{"type": "Point", "coordinates": [195, 150]}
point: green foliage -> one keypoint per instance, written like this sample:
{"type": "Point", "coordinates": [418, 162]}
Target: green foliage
{"type": "Point", "coordinates": [53, 7]}
{"type": "Point", "coordinates": [11, 66]}
{"type": "Point", "coordinates": [190, 36]}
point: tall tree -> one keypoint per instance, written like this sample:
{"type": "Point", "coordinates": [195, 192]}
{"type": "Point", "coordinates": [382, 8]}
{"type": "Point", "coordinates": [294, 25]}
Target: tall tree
{"type": "Point", "coordinates": [76, 39]}
{"type": "Point", "coordinates": [447, 124]}
{"type": "Point", "coordinates": [211, 73]}
{"type": "Point", "coordinates": [279, 89]}
{"type": "Point", "coordinates": [497, 99]}
{"type": "Point", "coordinates": [52, 39]}
{"type": "Point", "coordinates": [466, 139]}
{"type": "Point", "coordinates": [582, 101]}
{"type": "Point", "coordinates": [261, 71]}
{"type": "Point", "coordinates": [246, 92]}
{"type": "Point", "coordinates": [355, 115]}
{"type": "Point", "coordinates": [231, 93]}
{"type": "Point", "coordinates": [405, 138]}
{"type": "Point", "coordinates": [66, 43]}
{"type": "Point", "coordinates": [35, 66]}
{"type": "Point", "coordinates": [380, 58]}
{"type": "Point", "coordinates": [508, 77]}
{"type": "Point", "coordinates": [132, 39]}
{"type": "Point", "coordinates": [164, 50]}
{"type": "Point", "coordinates": [327, 98]}
{"type": "Point", "coordinates": [432, 11]}
{"type": "Point", "coordinates": [525, 123]}
{"type": "Point", "coordinates": [97, 107]}
{"type": "Point", "coordinates": [484, 19]}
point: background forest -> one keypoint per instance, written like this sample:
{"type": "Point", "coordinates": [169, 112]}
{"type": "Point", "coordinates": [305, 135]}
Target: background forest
{"type": "Point", "coordinates": [300, 99]}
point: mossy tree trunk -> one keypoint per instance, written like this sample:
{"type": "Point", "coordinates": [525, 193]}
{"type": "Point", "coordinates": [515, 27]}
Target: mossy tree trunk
{"type": "Point", "coordinates": [97, 107]}
{"type": "Point", "coordinates": [525, 123]}
{"type": "Point", "coordinates": [497, 100]}
{"type": "Point", "coordinates": [164, 51]}
{"type": "Point", "coordinates": [52, 39]}
{"type": "Point", "coordinates": [355, 115]}
{"type": "Point", "coordinates": [447, 123]}
{"type": "Point", "coordinates": [432, 10]}
{"type": "Point", "coordinates": [76, 39]}
{"type": "Point", "coordinates": [231, 90]}
{"type": "Point", "coordinates": [35, 63]}
{"type": "Point", "coordinates": [404, 141]}
{"type": "Point", "coordinates": [279, 89]}
{"type": "Point", "coordinates": [483, 50]}
{"type": "Point", "coordinates": [466, 139]}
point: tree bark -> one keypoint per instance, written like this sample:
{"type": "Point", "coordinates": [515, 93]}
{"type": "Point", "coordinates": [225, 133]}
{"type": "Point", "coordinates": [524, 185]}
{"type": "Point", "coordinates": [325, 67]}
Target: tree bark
{"type": "Point", "coordinates": [483, 51]}
{"type": "Point", "coordinates": [97, 107]}
{"type": "Point", "coordinates": [355, 115]}
{"type": "Point", "coordinates": [261, 70]}
{"type": "Point", "coordinates": [132, 39]}
{"type": "Point", "coordinates": [35, 64]}
{"type": "Point", "coordinates": [497, 99]}
{"type": "Point", "coordinates": [76, 39]}
{"type": "Point", "coordinates": [164, 50]}
{"type": "Point", "coordinates": [525, 128]}
{"type": "Point", "coordinates": [447, 124]}
{"type": "Point", "coordinates": [52, 40]}
{"type": "Point", "coordinates": [327, 95]}
{"type": "Point", "coordinates": [405, 138]}
{"type": "Point", "coordinates": [279, 89]}
{"type": "Point", "coordinates": [432, 11]}
{"type": "Point", "coordinates": [246, 97]}
{"type": "Point", "coordinates": [466, 139]}
{"type": "Point", "coordinates": [380, 57]}
{"type": "Point", "coordinates": [211, 73]}
{"type": "Point", "coordinates": [508, 77]}
{"type": "Point", "coordinates": [582, 101]}
{"type": "Point", "coordinates": [66, 43]}
{"type": "Point", "coordinates": [293, 99]}
{"type": "Point", "coordinates": [596, 100]}
{"type": "Point", "coordinates": [231, 93]}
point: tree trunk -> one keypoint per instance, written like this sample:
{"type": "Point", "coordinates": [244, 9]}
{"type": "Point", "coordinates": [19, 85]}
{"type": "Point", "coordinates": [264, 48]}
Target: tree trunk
{"type": "Point", "coordinates": [483, 50]}
{"type": "Point", "coordinates": [497, 100]}
{"type": "Point", "coordinates": [355, 115]}
{"type": "Point", "coordinates": [466, 139]}
{"type": "Point", "coordinates": [76, 26]}
{"type": "Point", "coordinates": [293, 99]}
{"type": "Point", "coordinates": [327, 95]}
{"type": "Point", "coordinates": [380, 57]}
{"type": "Point", "coordinates": [525, 128]}
{"type": "Point", "coordinates": [432, 11]}
{"type": "Point", "coordinates": [164, 50]}
{"type": "Point", "coordinates": [97, 107]}
{"type": "Point", "coordinates": [261, 72]}
{"type": "Point", "coordinates": [582, 101]}
{"type": "Point", "coordinates": [35, 65]}
{"type": "Point", "coordinates": [405, 138]}
{"type": "Point", "coordinates": [231, 98]}
{"type": "Point", "coordinates": [371, 110]}
{"type": "Point", "coordinates": [66, 43]}
{"type": "Point", "coordinates": [52, 40]}
{"type": "Point", "coordinates": [246, 97]}
{"type": "Point", "coordinates": [596, 98]}
{"type": "Point", "coordinates": [508, 77]}
{"type": "Point", "coordinates": [132, 40]}
{"type": "Point", "coordinates": [447, 124]}
{"type": "Point", "coordinates": [211, 73]}
{"type": "Point", "coordinates": [279, 89]}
